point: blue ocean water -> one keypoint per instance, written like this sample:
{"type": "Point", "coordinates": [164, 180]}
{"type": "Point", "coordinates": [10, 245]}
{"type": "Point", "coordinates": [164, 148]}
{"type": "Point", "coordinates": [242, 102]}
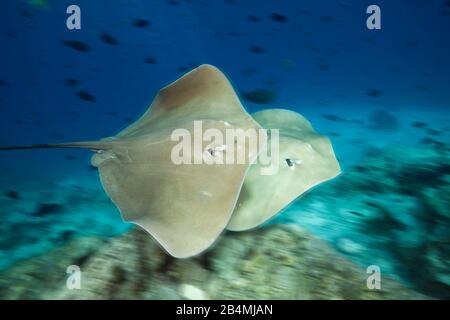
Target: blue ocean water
{"type": "Point", "coordinates": [371, 91]}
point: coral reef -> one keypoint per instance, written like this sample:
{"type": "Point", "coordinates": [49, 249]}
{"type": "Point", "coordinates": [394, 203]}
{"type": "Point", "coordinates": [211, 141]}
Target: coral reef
{"type": "Point", "coordinates": [398, 216]}
{"type": "Point", "coordinates": [277, 262]}
{"type": "Point", "coordinates": [40, 216]}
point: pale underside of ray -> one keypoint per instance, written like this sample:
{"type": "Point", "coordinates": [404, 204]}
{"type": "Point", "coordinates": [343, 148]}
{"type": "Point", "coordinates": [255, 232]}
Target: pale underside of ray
{"type": "Point", "coordinates": [184, 207]}
{"type": "Point", "coordinates": [306, 159]}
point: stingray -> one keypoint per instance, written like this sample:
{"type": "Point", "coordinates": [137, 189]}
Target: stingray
{"type": "Point", "coordinates": [306, 159]}
{"type": "Point", "coordinates": [184, 207]}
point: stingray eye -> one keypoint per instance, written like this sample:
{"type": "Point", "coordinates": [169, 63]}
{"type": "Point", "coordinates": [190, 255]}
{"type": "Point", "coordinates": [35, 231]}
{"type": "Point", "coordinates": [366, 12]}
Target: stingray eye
{"type": "Point", "coordinates": [211, 152]}
{"type": "Point", "coordinates": [215, 150]}
{"type": "Point", "coordinates": [290, 162]}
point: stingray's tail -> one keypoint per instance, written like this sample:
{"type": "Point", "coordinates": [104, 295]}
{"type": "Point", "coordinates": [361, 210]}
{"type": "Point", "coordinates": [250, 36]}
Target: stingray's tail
{"type": "Point", "coordinates": [91, 145]}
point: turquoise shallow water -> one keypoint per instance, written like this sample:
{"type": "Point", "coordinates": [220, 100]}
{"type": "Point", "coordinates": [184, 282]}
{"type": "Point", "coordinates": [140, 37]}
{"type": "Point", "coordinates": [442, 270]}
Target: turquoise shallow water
{"type": "Point", "coordinates": [382, 97]}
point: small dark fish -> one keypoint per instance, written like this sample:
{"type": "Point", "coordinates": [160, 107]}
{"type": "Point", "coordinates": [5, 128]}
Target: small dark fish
{"type": "Point", "coordinates": [182, 69]}
{"type": "Point", "coordinates": [374, 93]}
{"type": "Point", "coordinates": [253, 18]}
{"type": "Point", "coordinates": [10, 35]}
{"type": "Point", "coordinates": [72, 112]}
{"type": "Point", "coordinates": [70, 157]}
{"type": "Point", "coordinates": [57, 135]}
{"type": "Point", "coordinates": [356, 213]}
{"type": "Point", "coordinates": [278, 17]}
{"type": "Point", "coordinates": [150, 60]}
{"type": "Point", "coordinates": [383, 120]}
{"type": "Point", "coordinates": [70, 82]}
{"type": "Point", "coordinates": [326, 19]}
{"type": "Point", "coordinates": [422, 88]}
{"type": "Point", "coordinates": [19, 122]}
{"type": "Point", "coordinates": [109, 39]}
{"type": "Point", "coordinates": [86, 96]}
{"type": "Point", "coordinates": [187, 67]}
{"type": "Point", "coordinates": [248, 72]}
{"type": "Point", "coordinates": [433, 132]}
{"type": "Point", "coordinates": [372, 204]}
{"type": "Point", "coordinates": [127, 119]}
{"type": "Point", "coordinates": [411, 44]}
{"type": "Point", "coordinates": [323, 67]}
{"type": "Point", "coordinates": [418, 124]}
{"type": "Point", "coordinates": [12, 194]}
{"type": "Point", "coordinates": [141, 23]}
{"type": "Point", "coordinates": [334, 134]}
{"type": "Point", "coordinates": [77, 45]}
{"type": "Point", "coordinates": [81, 260]}
{"type": "Point", "coordinates": [360, 169]}
{"type": "Point", "coordinates": [259, 96]}
{"type": "Point", "coordinates": [433, 142]}
{"type": "Point", "coordinates": [66, 235]}
{"type": "Point", "coordinates": [111, 114]}
{"type": "Point", "coordinates": [3, 83]}
{"type": "Point", "coordinates": [256, 49]}
{"type": "Point", "coordinates": [333, 117]}
{"type": "Point", "coordinates": [26, 13]}
{"type": "Point", "coordinates": [45, 209]}
{"type": "Point", "coordinates": [173, 2]}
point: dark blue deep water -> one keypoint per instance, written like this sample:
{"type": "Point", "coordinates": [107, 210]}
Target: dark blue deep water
{"type": "Point", "coordinates": [382, 96]}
